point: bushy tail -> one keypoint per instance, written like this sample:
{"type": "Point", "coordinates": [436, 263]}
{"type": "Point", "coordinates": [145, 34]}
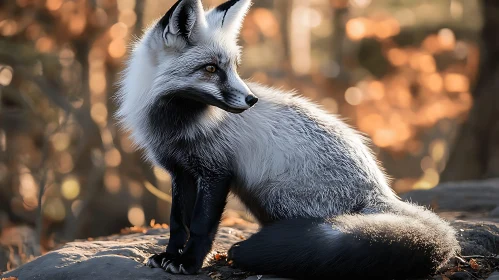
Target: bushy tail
{"type": "Point", "coordinates": [375, 246]}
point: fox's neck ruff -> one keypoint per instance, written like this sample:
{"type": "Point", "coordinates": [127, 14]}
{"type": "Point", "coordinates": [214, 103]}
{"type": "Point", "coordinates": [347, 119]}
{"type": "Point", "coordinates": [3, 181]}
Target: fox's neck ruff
{"type": "Point", "coordinates": [173, 115]}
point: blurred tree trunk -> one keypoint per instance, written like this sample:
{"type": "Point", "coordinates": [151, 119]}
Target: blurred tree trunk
{"type": "Point", "coordinates": [475, 154]}
{"type": "Point", "coordinates": [283, 25]}
{"type": "Point", "coordinates": [338, 39]}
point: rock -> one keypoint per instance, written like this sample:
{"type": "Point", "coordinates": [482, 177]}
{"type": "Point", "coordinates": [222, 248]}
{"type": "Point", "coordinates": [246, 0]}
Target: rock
{"type": "Point", "coordinates": [477, 238]}
{"type": "Point", "coordinates": [494, 213]}
{"type": "Point", "coordinates": [264, 277]}
{"type": "Point", "coordinates": [459, 196]}
{"type": "Point", "coordinates": [122, 256]}
{"type": "Point", "coordinates": [461, 275]}
{"type": "Point", "coordinates": [116, 257]}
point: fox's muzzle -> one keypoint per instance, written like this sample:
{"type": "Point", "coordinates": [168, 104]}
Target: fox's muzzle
{"type": "Point", "coordinates": [239, 101]}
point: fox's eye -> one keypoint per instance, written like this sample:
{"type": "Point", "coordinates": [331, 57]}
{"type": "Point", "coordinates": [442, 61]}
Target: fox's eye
{"type": "Point", "coordinates": [211, 68]}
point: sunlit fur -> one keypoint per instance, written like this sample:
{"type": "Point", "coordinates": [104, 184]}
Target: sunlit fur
{"type": "Point", "coordinates": [289, 160]}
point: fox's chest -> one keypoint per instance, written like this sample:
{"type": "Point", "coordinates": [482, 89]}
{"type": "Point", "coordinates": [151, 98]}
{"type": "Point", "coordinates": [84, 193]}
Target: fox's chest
{"type": "Point", "coordinates": [197, 157]}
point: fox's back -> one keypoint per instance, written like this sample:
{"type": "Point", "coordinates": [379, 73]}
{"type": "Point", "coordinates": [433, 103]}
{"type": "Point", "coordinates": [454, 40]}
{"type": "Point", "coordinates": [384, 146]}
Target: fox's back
{"type": "Point", "coordinates": [286, 146]}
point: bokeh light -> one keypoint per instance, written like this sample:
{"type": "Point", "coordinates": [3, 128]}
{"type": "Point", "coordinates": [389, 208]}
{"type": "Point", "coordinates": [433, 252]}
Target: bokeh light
{"type": "Point", "coordinates": [6, 75]}
{"type": "Point", "coordinates": [353, 96]}
{"type": "Point", "coordinates": [70, 188]}
{"type": "Point", "coordinates": [136, 216]}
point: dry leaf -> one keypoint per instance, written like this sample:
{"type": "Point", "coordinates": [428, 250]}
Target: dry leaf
{"type": "Point", "coordinates": [474, 264]}
{"type": "Point", "coordinates": [133, 229]}
{"type": "Point", "coordinates": [219, 257]}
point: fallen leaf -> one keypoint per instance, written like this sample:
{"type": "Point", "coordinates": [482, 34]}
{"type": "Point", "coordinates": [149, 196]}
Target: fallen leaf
{"type": "Point", "coordinates": [219, 257]}
{"type": "Point", "coordinates": [133, 229]}
{"type": "Point", "coordinates": [474, 264]}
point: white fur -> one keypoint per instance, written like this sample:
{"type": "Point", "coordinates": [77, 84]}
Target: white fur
{"type": "Point", "coordinates": [135, 84]}
{"type": "Point", "coordinates": [287, 147]}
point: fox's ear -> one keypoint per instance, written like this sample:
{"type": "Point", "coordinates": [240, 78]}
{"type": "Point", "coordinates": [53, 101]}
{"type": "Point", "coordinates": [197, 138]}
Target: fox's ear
{"type": "Point", "coordinates": [183, 23]}
{"type": "Point", "coordinates": [229, 16]}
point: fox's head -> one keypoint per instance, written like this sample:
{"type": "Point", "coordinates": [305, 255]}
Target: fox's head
{"type": "Point", "coordinates": [189, 53]}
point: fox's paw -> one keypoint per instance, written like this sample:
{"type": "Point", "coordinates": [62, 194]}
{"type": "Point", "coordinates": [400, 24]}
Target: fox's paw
{"type": "Point", "coordinates": [159, 260]}
{"type": "Point", "coordinates": [182, 266]}
{"type": "Point", "coordinates": [233, 253]}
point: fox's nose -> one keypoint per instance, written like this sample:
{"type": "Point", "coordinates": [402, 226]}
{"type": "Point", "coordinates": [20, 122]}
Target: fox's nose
{"type": "Point", "coordinates": [251, 99]}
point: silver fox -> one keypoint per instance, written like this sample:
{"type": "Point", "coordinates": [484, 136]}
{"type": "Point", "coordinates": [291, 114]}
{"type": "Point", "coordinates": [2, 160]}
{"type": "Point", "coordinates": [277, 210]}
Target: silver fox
{"type": "Point", "coordinates": [325, 205]}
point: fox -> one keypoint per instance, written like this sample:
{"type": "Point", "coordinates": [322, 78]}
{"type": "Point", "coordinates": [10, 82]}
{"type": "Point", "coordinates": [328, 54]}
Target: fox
{"type": "Point", "coordinates": [323, 201]}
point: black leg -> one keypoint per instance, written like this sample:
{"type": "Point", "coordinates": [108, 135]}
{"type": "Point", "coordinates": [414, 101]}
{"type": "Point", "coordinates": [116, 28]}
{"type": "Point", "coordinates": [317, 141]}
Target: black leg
{"type": "Point", "coordinates": [210, 204]}
{"type": "Point", "coordinates": [183, 199]}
